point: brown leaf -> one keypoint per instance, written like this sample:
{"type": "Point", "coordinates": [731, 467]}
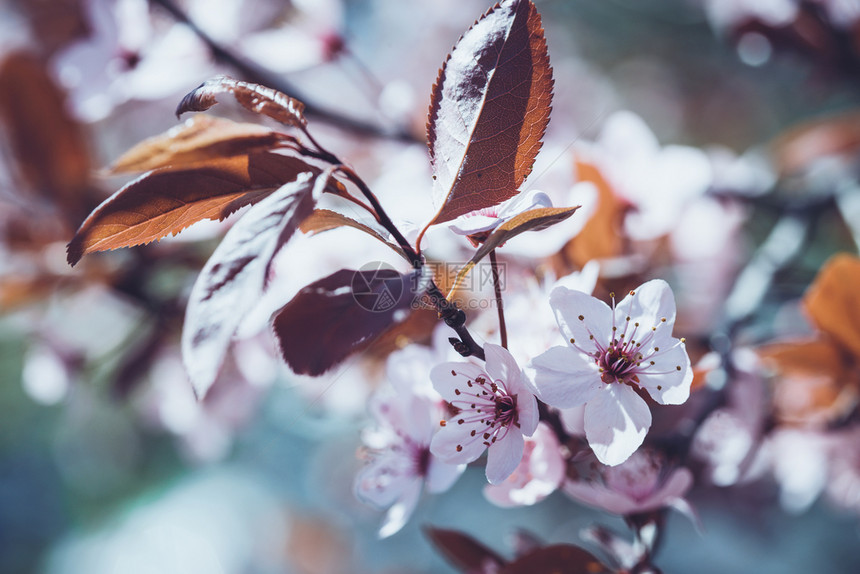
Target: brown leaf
{"type": "Point", "coordinates": [166, 201]}
{"type": "Point", "coordinates": [234, 278]}
{"type": "Point", "coordinates": [46, 142]}
{"type": "Point", "coordinates": [489, 109]}
{"type": "Point", "coordinates": [814, 380]}
{"type": "Point", "coordinates": [531, 220]}
{"type": "Point", "coordinates": [801, 146]}
{"type": "Point", "coordinates": [55, 22]}
{"type": "Point", "coordinates": [200, 138]}
{"type": "Point", "coordinates": [254, 97]}
{"type": "Point", "coordinates": [330, 319]}
{"type": "Point", "coordinates": [600, 237]}
{"type": "Point", "coordinates": [833, 301]}
{"type": "Point", "coordinates": [463, 551]}
{"type": "Point", "coordinates": [557, 559]}
{"type": "Point", "coordinates": [325, 220]}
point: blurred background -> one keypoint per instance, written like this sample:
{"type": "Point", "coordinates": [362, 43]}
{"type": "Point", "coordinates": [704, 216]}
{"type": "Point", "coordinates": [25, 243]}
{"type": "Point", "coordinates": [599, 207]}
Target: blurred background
{"type": "Point", "coordinates": [721, 140]}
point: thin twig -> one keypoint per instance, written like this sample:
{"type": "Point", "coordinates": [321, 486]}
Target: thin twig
{"type": "Point", "coordinates": [255, 73]}
{"type": "Point", "coordinates": [497, 288]}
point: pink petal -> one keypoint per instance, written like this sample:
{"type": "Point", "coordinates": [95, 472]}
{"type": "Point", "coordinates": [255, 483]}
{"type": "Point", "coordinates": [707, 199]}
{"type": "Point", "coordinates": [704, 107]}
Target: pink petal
{"type": "Point", "coordinates": [598, 496]}
{"type": "Point", "coordinates": [616, 421]}
{"type": "Point", "coordinates": [653, 301]}
{"type": "Point", "coordinates": [501, 365]}
{"type": "Point", "coordinates": [668, 385]}
{"type": "Point", "coordinates": [523, 202]}
{"type": "Point", "coordinates": [527, 411]}
{"type": "Point", "coordinates": [504, 455]}
{"type": "Point", "coordinates": [563, 378]}
{"type": "Point", "coordinates": [382, 481]}
{"type": "Point", "coordinates": [442, 475]}
{"type": "Point", "coordinates": [675, 487]}
{"type": "Point", "coordinates": [448, 438]}
{"type": "Point", "coordinates": [447, 377]}
{"type": "Point", "coordinates": [474, 223]}
{"type": "Point", "coordinates": [399, 513]}
{"type": "Point", "coordinates": [569, 306]}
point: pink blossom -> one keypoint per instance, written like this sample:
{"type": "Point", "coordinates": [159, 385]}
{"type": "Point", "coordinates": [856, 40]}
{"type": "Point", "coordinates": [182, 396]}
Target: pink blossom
{"type": "Point", "coordinates": [643, 482]}
{"type": "Point", "coordinates": [401, 463]}
{"type": "Point", "coordinates": [538, 475]}
{"type": "Point", "coordinates": [494, 410]}
{"type": "Point", "coordinates": [613, 354]}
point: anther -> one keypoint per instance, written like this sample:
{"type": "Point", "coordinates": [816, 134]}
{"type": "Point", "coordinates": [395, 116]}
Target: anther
{"type": "Point", "coordinates": [459, 448]}
{"type": "Point", "coordinates": [582, 317]}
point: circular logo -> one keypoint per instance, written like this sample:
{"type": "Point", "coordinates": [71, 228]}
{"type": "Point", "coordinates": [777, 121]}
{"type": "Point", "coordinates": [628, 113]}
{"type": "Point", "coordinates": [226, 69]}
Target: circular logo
{"type": "Point", "coordinates": [377, 287]}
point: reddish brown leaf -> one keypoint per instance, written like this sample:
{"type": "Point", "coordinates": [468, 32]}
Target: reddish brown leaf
{"type": "Point", "coordinates": [833, 301]}
{"type": "Point", "coordinates": [600, 237]}
{"type": "Point", "coordinates": [254, 97]}
{"type": "Point", "coordinates": [489, 109]}
{"type": "Point", "coordinates": [54, 22]}
{"type": "Point", "coordinates": [166, 201]}
{"type": "Point", "coordinates": [325, 220]}
{"type": "Point", "coordinates": [557, 559]}
{"type": "Point", "coordinates": [531, 220]}
{"type": "Point", "coordinates": [47, 143]}
{"type": "Point", "coordinates": [330, 319]}
{"type": "Point", "coordinates": [200, 138]}
{"type": "Point", "coordinates": [463, 551]}
{"type": "Point", "coordinates": [814, 382]}
{"type": "Point", "coordinates": [801, 146]}
{"type": "Point", "coordinates": [233, 279]}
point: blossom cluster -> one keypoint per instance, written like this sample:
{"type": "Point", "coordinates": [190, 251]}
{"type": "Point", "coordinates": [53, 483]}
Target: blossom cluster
{"type": "Point", "coordinates": [611, 360]}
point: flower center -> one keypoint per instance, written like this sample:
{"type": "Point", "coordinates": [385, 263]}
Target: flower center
{"type": "Point", "coordinates": [506, 410]}
{"type": "Point", "coordinates": [487, 407]}
{"type": "Point", "coordinates": [617, 364]}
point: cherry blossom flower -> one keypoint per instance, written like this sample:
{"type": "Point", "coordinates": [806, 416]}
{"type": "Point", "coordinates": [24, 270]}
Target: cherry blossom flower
{"type": "Point", "coordinates": [614, 354]}
{"type": "Point", "coordinates": [477, 225]}
{"type": "Point", "coordinates": [643, 482]}
{"type": "Point", "coordinates": [401, 464]}
{"type": "Point", "coordinates": [495, 409]}
{"type": "Point", "coordinates": [538, 475]}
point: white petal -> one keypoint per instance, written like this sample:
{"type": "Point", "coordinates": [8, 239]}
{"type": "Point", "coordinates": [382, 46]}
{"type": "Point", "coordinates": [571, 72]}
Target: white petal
{"type": "Point", "coordinates": [598, 496]}
{"type": "Point", "coordinates": [445, 442]}
{"type": "Point", "coordinates": [442, 475]}
{"type": "Point", "coordinates": [652, 302]}
{"type": "Point", "coordinates": [675, 487]}
{"type": "Point", "coordinates": [584, 280]}
{"type": "Point", "coordinates": [563, 378]}
{"type": "Point", "coordinates": [616, 421]}
{"type": "Point", "coordinates": [450, 376]}
{"type": "Point", "coordinates": [473, 223]}
{"type": "Point", "coordinates": [664, 382]}
{"type": "Point", "coordinates": [504, 456]}
{"type": "Point", "coordinates": [523, 202]}
{"type": "Point", "coordinates": [527, 411]}
{"type": "Point", "coordinates": [382, 481]}
{"type": "Point", "coordinates": [501, 366]}
{"type": "Point", "coordinates": [596, 322]}
{"type": "Point", "coordinates": [399, 513]}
